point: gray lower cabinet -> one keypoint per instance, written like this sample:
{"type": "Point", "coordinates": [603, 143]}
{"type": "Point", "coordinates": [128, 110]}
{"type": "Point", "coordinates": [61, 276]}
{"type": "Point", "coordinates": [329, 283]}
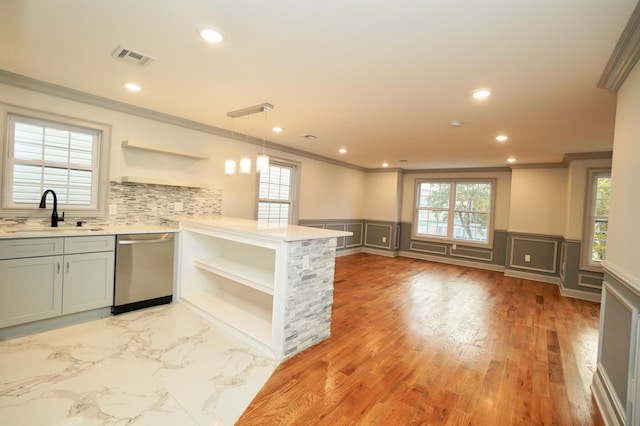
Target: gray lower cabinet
{"type": "Point", "coordinates": [88, 282]}
{"type": "Point", "coordinates": [30, 289]}
{"type": "Point", "coordinates": [75, 276]}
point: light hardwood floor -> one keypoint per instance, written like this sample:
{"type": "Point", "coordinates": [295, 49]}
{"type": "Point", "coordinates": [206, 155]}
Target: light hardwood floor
{"type": "Point", "coordinates": [416, 342]}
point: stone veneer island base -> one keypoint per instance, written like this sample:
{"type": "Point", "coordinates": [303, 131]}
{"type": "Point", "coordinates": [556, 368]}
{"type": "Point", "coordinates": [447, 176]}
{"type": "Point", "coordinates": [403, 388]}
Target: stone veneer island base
{"type": "Point", "coordinates": [269, 284]}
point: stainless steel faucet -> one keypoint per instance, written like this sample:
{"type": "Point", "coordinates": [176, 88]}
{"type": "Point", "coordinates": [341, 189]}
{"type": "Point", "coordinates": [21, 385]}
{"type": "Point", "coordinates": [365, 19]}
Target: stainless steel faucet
{"type": "Point", "coordinates": [54, 215]}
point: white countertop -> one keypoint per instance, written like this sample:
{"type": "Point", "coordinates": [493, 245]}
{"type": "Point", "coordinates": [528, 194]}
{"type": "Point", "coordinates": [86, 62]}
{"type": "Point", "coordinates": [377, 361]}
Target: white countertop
{"type": "Point", "coordinates": [229, 224]}
{"type": "Point", "coordinates": [272, 231]}
{"type": "Point", "coordinates": [64, 230]}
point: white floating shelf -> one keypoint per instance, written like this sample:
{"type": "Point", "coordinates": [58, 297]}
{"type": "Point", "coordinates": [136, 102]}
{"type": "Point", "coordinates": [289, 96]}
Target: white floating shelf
{"type": "Point", "coordinates": [149, 148]}
{"type": "Point", "coordinates": [153, 181]}
{"type": "Point", "coordinates": [250, 276]}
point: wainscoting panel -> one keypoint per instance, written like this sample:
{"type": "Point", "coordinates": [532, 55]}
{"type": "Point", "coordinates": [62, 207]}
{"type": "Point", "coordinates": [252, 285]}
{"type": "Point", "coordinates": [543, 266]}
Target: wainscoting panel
{"type": "Point", "coordinates": [431, 248]}
{"type": "Point", "coordinates": [534, 253]}
{"type": "Point", "coordinates": [590, 280]}
{"type": "Point", "coordinates": [472, 253]}
{"type": "Point", "coordinates": [355, 240]}
{"type": "Point", "coordinates": [378, 235]}
{"type": "Point", "coordinates": [340, 244]}
{"type": "Point", "coordinates": [355, 226]}
{"type": "Point", "coordinates": [617, 351]}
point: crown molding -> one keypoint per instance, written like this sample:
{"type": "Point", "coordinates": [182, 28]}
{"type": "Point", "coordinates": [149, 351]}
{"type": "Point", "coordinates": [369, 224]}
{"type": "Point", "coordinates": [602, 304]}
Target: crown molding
{"type": "Point", "coordinates": [624, 56]}
{"type": "Point", "coordinates": [459, 170]}
{"type": "Point", "coordinates": [602, 155]}
{"type": "Point", "coordinates": [538, 166]}
{"type": "Point", "coordinates": [28, 83]}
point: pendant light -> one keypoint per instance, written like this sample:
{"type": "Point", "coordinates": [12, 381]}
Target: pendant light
{"type": "Point", "coordinates": [245, 161]}
{"type": "Point", "coordinates": [230, 165]}
{"type": "Point", "coordinates": [262, 161]}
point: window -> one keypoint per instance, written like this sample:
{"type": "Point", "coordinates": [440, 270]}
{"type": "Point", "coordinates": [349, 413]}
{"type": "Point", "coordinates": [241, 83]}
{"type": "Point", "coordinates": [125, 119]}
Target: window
{"type": "Point", "coordinates": [62, 154]}
{"type": "Point", "coordinates": [598, 217]}
{"type": "Point", "coordinates": [276, 190]}
{"type": "Point", "coordinates": [454, 210]}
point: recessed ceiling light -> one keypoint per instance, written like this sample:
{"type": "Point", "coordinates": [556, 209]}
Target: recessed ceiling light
{"type": "Point", "coordinates": [211, 34]}
{"type": "Point", "coordinates": [502, 138]}
{"type": "Point", "coordinates": [481, 93]}
{"type": "Point", "coordinates": [385, 164]}
{"type": "Point", "coordinates": [342, 151]}
{"type": "Point", "coordinates": [455, 124]}
{"type": "Point", "coordinates": [277, 129]}
{"type": "Point", "coordinates": [511, 160]}
{"type": "Point", "coordinates": [133, 87]}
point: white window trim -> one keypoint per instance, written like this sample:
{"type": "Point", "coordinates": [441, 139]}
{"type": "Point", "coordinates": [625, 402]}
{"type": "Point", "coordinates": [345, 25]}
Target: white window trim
{"type": "Point", "coordinates": [586, 263]}
{"type": "Point", "coordinates": [461, 242]}
{"type": "Point", "coordinates": [6, 207]}
{"type": "Point", "coordinates": [295, 188]}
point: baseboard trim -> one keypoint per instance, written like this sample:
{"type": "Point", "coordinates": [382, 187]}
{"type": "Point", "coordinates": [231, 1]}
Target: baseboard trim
{"type": "Point", "coordinates": [348, 251]}
{"type": "Point", "coordinates": [600, 395]}
{"type": "Point", "coordinates": [385, 253]}
{"type": "Point", "coordinates": [579, 294]}
{"type": "Point", "coordinates": [531, 276]}
{"type": "Point", "coordinates": [450, 261]}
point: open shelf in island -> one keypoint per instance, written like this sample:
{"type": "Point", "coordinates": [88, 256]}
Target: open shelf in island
{"type": "Point", "coordinates": [236, 314]}
{"type": "Point", "coordinates": [255, 277]}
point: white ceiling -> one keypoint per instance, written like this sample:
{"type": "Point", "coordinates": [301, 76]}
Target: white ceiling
{"type": "Point", "coordinates": [380, 78]}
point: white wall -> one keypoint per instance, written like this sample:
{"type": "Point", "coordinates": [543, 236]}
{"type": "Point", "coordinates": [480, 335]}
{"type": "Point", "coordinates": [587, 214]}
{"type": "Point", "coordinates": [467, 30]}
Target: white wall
{"type": "Point", "coordinates": [330, 191]}
{"type": "Point", "coordinates": [538, 201]}
{"type": "Point", "coordinates": [624, 226]}
{"type": "Point", "coordinates": [382, 196]}
{"type": "Point", "coordinates": [327, 191]}
{"type": "Point", "coordinates": [503, 192]}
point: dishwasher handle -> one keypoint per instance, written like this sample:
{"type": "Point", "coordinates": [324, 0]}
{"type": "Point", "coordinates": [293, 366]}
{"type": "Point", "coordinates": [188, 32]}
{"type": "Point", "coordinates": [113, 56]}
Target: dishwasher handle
{"type": "Point", "coordinates": [156, 241]}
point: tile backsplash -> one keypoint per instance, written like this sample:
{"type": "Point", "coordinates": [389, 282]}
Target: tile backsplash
{"type": "Point", "coordinates": [143, 203]}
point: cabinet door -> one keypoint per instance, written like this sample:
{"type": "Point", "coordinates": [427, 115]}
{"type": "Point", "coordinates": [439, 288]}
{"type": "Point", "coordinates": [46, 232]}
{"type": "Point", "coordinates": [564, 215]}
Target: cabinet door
{"type": "Point", "coordinates": [30, 289]}
{"type": "Point", "coordinates": [88, 282]}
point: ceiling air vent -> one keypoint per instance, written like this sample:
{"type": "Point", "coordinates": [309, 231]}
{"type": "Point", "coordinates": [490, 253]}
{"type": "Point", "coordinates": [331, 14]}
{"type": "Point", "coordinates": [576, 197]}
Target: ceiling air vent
{"type": "Point", "coordinates": [128, 55]}
{"type": "Point", "coordinates": [309, 136]}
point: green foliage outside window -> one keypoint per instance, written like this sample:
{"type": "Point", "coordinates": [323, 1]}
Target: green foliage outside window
{"type": "Point", "coordinates": [601, 218]}
{"type": "Point", "coordinates": [457, 210]}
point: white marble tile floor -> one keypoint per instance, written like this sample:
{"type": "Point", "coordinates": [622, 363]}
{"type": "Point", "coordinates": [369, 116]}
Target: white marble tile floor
{"type": "Point", "coordinates": [160, 366]}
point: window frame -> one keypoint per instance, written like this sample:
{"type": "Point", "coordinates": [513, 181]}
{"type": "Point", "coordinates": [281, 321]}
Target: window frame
{"type": "Point", "coordinates": [586, 261]}
{"type": "Point", "coordinates": [293, 190]}
{"type": "Point", "coordinates": [449, 238]}
{"type": "Point", "coordinates": [101, 184]}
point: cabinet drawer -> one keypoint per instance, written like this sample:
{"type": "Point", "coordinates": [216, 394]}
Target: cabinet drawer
{"type": "Point", "coordinates": [30, 247]}
{"type": "Point", "coordinates": [89, 244]}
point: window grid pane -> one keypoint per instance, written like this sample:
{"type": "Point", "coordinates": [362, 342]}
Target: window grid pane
{"type": "Point", "coordinates": [274, 195]}
{"type": "Point", "coordinates": [51, 156]}
{"type": "Point", "coordinates": [600, 214]}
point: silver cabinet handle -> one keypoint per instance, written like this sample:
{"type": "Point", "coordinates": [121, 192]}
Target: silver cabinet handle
{"type": "Point", "coordinates": [58, 268]}
{"type": "Point", "coordinates": [67, 267]}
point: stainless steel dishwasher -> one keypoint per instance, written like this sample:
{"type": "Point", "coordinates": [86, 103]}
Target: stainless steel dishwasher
{"type": "Point", "coordinates": [144, 271]}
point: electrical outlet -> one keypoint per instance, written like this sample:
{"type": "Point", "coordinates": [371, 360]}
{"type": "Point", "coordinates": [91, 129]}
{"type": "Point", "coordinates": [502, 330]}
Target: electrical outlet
{"type": "Point", "coordinates": [178, 206]}
{"type": "Point", "coordinates": [113, 209]}
{"type": "Point", "coordinates": [527, 258]}
{"type": "Point", "coordinates": [384, 239]}
{"type": "Point", "coordinates": [305, 262]}
{"type": "Point", "coordinates": [454, 247]}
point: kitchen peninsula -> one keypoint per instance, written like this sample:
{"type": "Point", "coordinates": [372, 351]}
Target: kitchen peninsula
{"type": "Point", "coordinates": [269, 284]}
